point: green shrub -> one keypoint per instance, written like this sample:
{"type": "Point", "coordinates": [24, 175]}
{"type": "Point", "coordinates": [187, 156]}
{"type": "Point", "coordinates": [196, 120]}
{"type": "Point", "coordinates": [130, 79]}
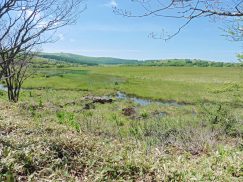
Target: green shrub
{"type": "Point", "coordinates": [220, 117]}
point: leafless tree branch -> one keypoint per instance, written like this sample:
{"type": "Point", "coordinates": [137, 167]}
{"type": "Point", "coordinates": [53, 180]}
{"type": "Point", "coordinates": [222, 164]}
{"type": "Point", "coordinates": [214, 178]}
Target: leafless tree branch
{"type": "Point", "coordinates": [25, 26]}
{"type": "Point", "coordinates": [228, 10]}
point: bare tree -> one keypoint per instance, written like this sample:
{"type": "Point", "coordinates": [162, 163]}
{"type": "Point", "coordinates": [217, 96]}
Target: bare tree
{"type": "Point", "coordinates": [6, 6]}
{"type": "Point", "coordinates": [25, 26]}
{"type": "Point", "coordinates": [18, 72]}
{"type": "Point", "coordinates": [230, 11]}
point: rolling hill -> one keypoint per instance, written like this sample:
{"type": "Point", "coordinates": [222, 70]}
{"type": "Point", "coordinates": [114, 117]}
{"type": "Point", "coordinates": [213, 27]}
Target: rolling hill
{"type": "Point", "coordinates": [74, 58]}
{"type": "Point", "coordinates": [92, 61]}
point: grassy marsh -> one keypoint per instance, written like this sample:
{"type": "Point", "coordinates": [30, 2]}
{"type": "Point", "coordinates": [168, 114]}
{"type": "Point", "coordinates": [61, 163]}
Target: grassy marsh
{"type": "Point", "coordinates": [51, 136]}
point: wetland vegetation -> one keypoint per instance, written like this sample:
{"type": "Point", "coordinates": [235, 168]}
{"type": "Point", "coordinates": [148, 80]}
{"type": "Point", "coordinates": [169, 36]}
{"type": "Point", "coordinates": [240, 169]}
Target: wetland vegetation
{"type": "Point", "coordinates": [158, 124]}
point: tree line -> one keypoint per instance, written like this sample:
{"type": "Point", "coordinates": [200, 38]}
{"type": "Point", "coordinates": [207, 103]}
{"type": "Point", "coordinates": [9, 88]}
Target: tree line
{"type": "Point", "coordinates": [189, 63]}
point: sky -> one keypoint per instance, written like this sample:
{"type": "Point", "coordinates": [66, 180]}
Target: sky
{"type": "Point", "coordinates": [101, 33]}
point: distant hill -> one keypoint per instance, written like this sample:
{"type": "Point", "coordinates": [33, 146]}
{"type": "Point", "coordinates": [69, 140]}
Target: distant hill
{"type": "Point", "coordinates": [74, 58]}
{"type": "Point", "coordinates": [92, 61]}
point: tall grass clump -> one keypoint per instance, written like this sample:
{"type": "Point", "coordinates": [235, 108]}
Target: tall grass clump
{"type": "Point", "coordinates": [68, 119]}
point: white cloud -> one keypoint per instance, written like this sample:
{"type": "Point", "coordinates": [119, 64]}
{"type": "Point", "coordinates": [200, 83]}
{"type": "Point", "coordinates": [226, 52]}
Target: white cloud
{"type": "Point", "coordinates": [111, 4]}
{"type": "Point", "coordinates": [28, 12]}
{"type": "Point", "coordinates": [35, 16]}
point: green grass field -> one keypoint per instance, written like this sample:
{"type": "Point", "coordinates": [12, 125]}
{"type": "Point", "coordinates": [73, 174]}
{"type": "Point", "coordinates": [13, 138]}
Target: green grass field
{"type": "Point", "coordinates": [188, 85]}
{"type": "Point", "coordinates": [197, 139]}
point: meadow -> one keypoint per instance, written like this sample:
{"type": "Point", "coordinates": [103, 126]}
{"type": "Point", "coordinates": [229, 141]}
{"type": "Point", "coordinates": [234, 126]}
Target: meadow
{"type": "Point", "coordinates": [181, 84]}
{"type": "Point", "coordinates": [189, 130]}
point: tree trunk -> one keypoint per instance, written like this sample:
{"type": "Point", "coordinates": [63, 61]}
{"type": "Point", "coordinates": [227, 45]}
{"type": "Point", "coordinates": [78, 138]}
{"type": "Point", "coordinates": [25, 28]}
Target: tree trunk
{"type": "Point", "coordinates": [13, 91]}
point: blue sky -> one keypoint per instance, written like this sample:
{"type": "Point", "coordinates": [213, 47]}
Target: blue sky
{"type": "Point", "coordinates": [99, 32]}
